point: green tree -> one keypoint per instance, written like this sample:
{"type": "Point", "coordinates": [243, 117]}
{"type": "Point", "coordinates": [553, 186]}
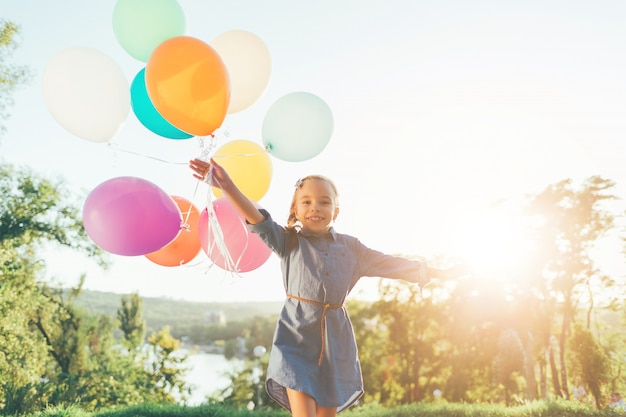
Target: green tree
{"type": "Point", "coordinates": [131, 320]}
{"type": "Point", "coordinates": [37, 212]}
{"type": "Point", "coordinates": [167, 367]}
{"type": "Point", "coordinates": [479, 314]}
{"type": "Point", "coordinates": [509, 363]}
{"type": "Point", "coordinates": [52, 352]}
{"type": "Point", "coordinates": [590, 362]}
{"type": "Point", "coordinates": [34, 213]}
{"type": "Point", "coordinates": [372, 338]}
{"type": "Point", "coordinates": [414, 358]}
{"type": "Point", "coordinates": [569, 221]}
{"type": "Point", "coordinates": [11, 75]}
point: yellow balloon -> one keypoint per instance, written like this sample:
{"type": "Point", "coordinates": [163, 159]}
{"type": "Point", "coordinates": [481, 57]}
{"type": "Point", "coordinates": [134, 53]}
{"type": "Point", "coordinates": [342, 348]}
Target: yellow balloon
{"type": "Point", "coordinates": [249, 166]}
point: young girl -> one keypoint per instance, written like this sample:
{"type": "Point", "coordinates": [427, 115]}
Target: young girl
{"type": "Point", "coordinates": [314, 370]}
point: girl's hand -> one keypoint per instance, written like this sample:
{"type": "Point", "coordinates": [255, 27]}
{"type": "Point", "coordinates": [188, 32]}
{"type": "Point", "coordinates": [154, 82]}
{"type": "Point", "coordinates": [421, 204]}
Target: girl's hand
{"type": "Point", "coordinates": [458, 270]}
{"type": "Point", "coordinates": [210, 172]}
{"type": "Point", "coordinates": [213, 174]}
{"type": "Point", "coordinates": [200, 168]}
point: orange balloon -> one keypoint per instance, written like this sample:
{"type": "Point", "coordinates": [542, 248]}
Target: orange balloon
{"type": "Point", "coordinates": [188, 84]}
{"type": "Point", "coordinates": [187, 244]}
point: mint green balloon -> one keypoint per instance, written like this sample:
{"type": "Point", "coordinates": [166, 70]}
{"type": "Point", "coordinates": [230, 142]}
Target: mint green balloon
{"type": "Point", "coordinates": [142, 25]}
{"type": "Point", "coordinates": [297, 127]}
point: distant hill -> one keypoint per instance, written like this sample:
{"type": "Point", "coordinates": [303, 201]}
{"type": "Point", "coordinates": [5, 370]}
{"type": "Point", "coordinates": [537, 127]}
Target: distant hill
{"type": "Point", "coordinates": [159, 312]}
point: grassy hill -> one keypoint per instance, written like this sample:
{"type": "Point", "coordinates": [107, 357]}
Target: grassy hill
{"type": "Point", "coordinates": [160, 312]}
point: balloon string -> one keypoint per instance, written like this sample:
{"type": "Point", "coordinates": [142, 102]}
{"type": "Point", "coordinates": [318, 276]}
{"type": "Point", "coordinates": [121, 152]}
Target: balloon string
{"type": "Point", "coordinates": [185, 223]}
{"type": "Point", "coordinates": [212, 222]}
{"type": "Point", "coordinates": [219, 240]}
{"type": "Point", "coordinates": [204, 155]}
{"type": "Point", "coordinates": [186, 162]}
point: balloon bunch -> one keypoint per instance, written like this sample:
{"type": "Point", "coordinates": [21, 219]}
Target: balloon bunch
{"type": "Point", "coordinates": [186, 88]}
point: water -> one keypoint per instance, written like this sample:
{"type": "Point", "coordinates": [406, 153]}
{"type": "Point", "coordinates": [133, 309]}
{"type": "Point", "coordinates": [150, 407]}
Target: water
{"type": "Point", "coordinates": [207, 374]}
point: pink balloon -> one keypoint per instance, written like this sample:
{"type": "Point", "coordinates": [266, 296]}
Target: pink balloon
{"type": "Point", "coordinates": [247, 251]}
{"type": "Point", "coordinates": [130, 216]}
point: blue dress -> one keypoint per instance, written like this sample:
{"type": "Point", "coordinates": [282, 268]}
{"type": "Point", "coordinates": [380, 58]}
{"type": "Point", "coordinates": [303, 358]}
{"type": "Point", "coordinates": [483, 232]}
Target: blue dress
{"type": "Point", "coordinates": [314, 349]}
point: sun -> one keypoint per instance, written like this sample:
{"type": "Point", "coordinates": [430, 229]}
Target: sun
{"type": "Point", "coordinates": [492, 240]}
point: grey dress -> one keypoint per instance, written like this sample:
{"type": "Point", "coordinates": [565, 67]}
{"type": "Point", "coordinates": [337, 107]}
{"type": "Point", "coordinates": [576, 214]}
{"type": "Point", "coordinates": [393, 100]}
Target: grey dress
{"type": "Point", "coordinates": [314, 350]}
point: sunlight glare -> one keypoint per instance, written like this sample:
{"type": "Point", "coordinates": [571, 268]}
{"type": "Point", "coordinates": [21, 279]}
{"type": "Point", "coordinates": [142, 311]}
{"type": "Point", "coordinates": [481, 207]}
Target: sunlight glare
{"type": "Point", "coordinates": [491, 241]}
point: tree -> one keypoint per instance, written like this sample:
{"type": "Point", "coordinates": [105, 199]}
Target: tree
{"type": "Point", "coordinates": [479, 314]}
{"type": "Point", "coordinates": [590, 362]}
{"type": "Point", "coordinates": [11, 75]}
{"type": "Point", "coordinates": [34, 213]}
{"type": "Point", "coordinates": [486, 338]}
{"type": "Point", "coordinates": [51, 351]}
{"type": "Point", "coordinates": [131, 321]}
{"type": "Point", "coordinates": [167, 367]}
{"type": "Point", "coordinates": [411, 360]}
{"type": "Point", "coordinates": [509, 363]}
{"type": "Point", "coordinates": [570, 221]}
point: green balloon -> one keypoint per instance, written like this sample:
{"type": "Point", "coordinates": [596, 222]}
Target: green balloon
{"type": "Point", "coordinates": [297, 127]}
{"type": "Point", "coordinates": [142, 25]}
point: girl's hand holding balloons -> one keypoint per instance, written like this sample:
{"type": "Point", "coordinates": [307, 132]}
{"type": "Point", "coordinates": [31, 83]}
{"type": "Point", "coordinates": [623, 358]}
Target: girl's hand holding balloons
{"type": "Point", "coordinates": [211, 173]}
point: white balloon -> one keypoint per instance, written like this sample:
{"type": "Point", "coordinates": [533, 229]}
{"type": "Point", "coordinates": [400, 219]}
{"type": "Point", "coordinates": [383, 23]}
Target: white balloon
{"type": "Point", "coordinates": [87, 93]}
{"type": "Point", "coordinates": [259, 351]}
{"type": "Point", "coordinates": [249, 65]}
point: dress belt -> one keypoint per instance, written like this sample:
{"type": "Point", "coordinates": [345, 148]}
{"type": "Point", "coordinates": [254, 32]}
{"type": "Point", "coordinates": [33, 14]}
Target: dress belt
{"type": "Point", "coordinates": [326, 306]}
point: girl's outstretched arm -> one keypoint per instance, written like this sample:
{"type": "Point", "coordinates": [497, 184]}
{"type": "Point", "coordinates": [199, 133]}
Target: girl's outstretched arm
{"type": "Point", "coordinates": [221, 179]}
{"type": "Point", "coordinates": [453, 272]}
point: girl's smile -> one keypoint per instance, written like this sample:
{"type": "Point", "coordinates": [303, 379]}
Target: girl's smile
{"type": "Point", "coordinates": [315, 206]}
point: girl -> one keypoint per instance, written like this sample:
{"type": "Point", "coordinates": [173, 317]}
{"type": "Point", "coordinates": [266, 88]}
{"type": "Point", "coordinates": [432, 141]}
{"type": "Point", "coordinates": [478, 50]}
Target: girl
{"type": "Point", "coordinates": [314, 370]}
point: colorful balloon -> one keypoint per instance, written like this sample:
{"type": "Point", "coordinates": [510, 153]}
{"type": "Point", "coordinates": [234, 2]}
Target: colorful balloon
{"type": "Point", "coordinates": [87, 93]}
{"type": "Point", "coordinates": [242, 250]}
{"type": "Point", "coordinates": [249, 166]}
{"type": "Point", "coordinates": [249, 66]}
{"type": "Point", "coordinates": [188, 84]}
{"type": "Point", "coordinates": [147, 114]}
{"type": "Point", "coordinates": [141, 25]}
{"type": "Point", "coordinates": [297, 127]}
{"type": "Point", "coordinates": [130, 216]}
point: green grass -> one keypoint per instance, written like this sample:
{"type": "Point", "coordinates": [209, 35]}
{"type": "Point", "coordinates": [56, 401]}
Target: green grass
{"type": "Point", "coordinates": [535, 409]}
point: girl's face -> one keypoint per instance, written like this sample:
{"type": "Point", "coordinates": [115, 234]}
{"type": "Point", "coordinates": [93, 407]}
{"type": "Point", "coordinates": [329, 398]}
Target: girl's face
{"type": "Point", "coordinates": [315, 205]}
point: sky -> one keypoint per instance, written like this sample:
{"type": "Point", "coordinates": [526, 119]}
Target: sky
{"type": "Point", "coordinates": [440, 110]}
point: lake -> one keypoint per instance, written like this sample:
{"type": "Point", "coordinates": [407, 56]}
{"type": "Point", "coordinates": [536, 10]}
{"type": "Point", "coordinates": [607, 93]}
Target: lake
{"type": "Point", "coordinates": [207, 374]}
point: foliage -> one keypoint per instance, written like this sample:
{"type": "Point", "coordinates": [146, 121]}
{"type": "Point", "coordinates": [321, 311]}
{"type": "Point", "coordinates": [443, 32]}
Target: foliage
{"type": "Point", "coordinates": [442, 409]}
{"type": "Point", "coordinates": [590, 362]}
{"type": "Point", "coordinates": [11, 76]}
{"type": "Point", "coordinates": [53, 351]}
{"type": "Point", "coordinates": [130, 316]}
{"type": "Point", "coordinates": [195, 322]}
{"type": "Point", "coordinates": [247, 384]}
{"type": "Point", "coordinates": [504, 338]}
{"type": "Point", "coordinates": [36, 211]}
{"type": "Point", "coordinates": [570, 220]}
{"type": "Point", "coordinates": [167, 367]}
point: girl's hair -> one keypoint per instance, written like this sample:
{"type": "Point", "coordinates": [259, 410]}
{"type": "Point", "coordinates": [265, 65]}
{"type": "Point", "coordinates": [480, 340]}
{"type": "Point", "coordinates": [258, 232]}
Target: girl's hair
{"type": "Point", "coordinates": [291, 220]}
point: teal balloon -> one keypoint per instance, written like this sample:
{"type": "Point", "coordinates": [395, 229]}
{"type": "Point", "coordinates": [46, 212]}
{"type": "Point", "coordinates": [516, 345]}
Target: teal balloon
{"type": "Point", "coordinates": [146, 112]}
{"type": "Point", "coordinates": [297, 127]}
{"type": "Point", "coordinates": [142, 25]}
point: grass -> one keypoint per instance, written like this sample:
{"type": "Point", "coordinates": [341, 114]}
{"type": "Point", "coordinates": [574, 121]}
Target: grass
{"type": "Point", "coordinates": [535, 409]}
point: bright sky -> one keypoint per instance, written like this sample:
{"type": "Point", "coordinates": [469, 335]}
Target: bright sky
{"type": "Point", "coordinates": [440, 109]}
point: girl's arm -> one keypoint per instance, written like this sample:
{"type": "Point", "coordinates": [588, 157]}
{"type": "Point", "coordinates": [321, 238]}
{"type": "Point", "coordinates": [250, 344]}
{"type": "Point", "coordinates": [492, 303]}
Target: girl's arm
{"type": "Point", "coordinates": [221, 179]}
{"type": "Point", "coordinates": [453, 272]}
